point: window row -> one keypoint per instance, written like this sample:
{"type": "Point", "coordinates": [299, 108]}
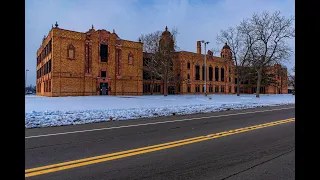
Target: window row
{"type": "Point", "coordinates": [210, 73]}
{"type": "Point", "coordinates": [71, 53]}
{"type": "Point", "coordinates": [216, 89]}
{"type": "Point", "coordinates": [45, 52]}
{"type": "Point", "coordinates": [46, 86]}
{"type": "Point", "coordinates": [45, 69]}
{"type": "Point", "coordinates": [147, 88]}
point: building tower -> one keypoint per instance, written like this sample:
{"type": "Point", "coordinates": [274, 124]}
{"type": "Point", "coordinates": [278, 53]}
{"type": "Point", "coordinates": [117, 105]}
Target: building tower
{"type": "Point", "coordinates": [226, 52]}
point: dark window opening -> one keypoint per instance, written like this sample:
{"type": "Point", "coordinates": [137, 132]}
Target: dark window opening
{"type": "Point", "coordinates": [103, 74]}
{"type": "Point", "coordinates": [222, 74]}
{"type": "Point", "coordinates": [156, 88]}
{"type": "Point", "coordinates": [229, 79]}
{"type": "Point", "coordinates": [210, 73]}
{"type": "Point", "coordinates": [229, 89]}
{"type": "Point", "coordinates": [216, 74]}
{"type": "Point", "coordinates": [203, 74]}
{"type": "Point", "coordinates": [188, 76]}
{"type": "Point", "coordinates": [104, 52]}
{"type": "Point", "coordinates": [197, 88]}
{"type": "Point", "coordinates": [210, 89]}
{"type": "Point", "coordinates": [236, 80]}
{"type": "Point", "coordinates": [222, 88]}
{"type": "Point", "coordinates": [50, 66]}
{"type": "Point", "coordinates": [216, 89]}
{"type": "Point", "coordinates": [189, 89]}
{"type": "Point", "coordinates": [188, 65]}
{"type": "Point", "coordinates": [146, 75]}
{"type": "Point", "coordinates": [197, 72]}
{"type": "Point", "coordinates": [202, 88]}
{"type": "Point", "coordinates": [146, 88]}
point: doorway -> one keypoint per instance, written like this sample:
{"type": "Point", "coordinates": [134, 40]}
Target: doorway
{"type": "Point", "coordinates": [103, 88]}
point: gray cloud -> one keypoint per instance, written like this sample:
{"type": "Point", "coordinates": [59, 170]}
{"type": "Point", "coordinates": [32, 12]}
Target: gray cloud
{"type": "Point", "coordinates": [196, 20]}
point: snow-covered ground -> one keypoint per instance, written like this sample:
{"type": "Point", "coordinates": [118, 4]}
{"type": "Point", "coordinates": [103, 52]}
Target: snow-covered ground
{"type": "Point", "coordinates": [58, 111]}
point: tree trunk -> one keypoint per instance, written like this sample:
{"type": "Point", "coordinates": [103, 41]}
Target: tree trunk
{"type": "Point", "coordinates": [152, 83]}
{"type": "Point", "coordinates": [165, 87]}
{"type": "Point", "coordinates": [238, 86]}
{"type": "Point", "coordinates": [259, 83]}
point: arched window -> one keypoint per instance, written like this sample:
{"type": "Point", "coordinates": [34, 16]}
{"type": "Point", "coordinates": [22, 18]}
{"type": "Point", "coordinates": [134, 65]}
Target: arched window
{"type": "Point", "coordinates": [210, 73]}
{"type": "Point", "coordinates": [203, 72]}
{"type": "Point", "coordinates": [216, 73]}
{"type": "Point", "coordinates": [71, 52]}
{"type": "Point", "coordinates": [222, 74]}
{"type": "Point", "coordinates": [197, 72]}
{"type": "Point", "coordinates": [130, 58]}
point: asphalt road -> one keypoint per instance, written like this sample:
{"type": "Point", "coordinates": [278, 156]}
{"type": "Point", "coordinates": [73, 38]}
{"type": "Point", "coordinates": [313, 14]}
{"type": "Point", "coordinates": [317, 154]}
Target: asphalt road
{"type": "Point", "coordinates": [266, 152]}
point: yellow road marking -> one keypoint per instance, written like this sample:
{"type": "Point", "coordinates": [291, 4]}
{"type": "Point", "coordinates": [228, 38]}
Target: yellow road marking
{"type": "Point", "coordinates": [133, 152]}
{"type": "Point", "coordinates": [108, 155]}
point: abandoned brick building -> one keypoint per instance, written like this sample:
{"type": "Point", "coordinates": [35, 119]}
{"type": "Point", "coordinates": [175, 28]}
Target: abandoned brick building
{"type": "Point", "coordinates": [99, 62]}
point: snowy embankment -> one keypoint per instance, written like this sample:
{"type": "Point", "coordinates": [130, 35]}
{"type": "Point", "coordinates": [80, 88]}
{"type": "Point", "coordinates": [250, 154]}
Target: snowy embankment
{"type": "Point", "coordinates": [58, 111]}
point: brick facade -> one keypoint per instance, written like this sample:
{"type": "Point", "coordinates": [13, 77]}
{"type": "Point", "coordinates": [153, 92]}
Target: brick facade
{"type": "Point", "coordinates": [81, 75]}
{"type": "Point", "coordinates": [98, 62]}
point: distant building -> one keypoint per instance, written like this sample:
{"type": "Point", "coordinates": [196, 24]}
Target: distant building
{"type": "Point", "coordinates": [220, 79]}
{"type": "Point", "coordinates": [98, 62]}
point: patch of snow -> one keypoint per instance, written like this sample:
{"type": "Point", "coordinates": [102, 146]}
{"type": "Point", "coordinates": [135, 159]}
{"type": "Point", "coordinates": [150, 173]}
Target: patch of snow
{"type": "Point", "coordinates": [59, 111]}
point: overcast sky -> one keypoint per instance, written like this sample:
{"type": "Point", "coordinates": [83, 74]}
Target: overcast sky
{"type": "Point", "coordinates": [195, 19]}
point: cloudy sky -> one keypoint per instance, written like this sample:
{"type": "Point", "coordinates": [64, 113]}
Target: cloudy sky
{"type": "Point", "coordinates": [195, 19]}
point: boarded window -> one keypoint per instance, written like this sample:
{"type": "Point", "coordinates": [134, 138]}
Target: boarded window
{"type": "Point", "coordinates": [130, 58]}
{"type": "Point", "coordinates": [71, 51]}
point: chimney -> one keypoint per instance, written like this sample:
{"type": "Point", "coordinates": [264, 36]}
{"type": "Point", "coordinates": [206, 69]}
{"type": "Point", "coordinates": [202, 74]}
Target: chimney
{"type": "Point", "coordinates": [198, 47]}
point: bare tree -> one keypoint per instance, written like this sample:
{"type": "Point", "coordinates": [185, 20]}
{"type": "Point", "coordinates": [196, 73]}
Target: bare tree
{"type": "Point", "coordinates": [240, 53]}
{"type": "Point", "coordinates": [291, 80]}
{"type": "Point", "coordinates": [266, 36]}
{"type": "Point", "coordinates": [160, 62]}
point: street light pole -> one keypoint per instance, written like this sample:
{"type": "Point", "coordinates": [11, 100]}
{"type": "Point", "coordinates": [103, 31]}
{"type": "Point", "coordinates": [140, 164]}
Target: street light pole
{"type": "Point", "coordinates": [205, 66]}
{"type": "Point", "coordinates": [25, 81]}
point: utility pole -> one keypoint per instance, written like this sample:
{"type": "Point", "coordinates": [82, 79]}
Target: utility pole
{"type": "Point", "coordinates": [25, 81]}
{"type": "Point", "coordinates": [205, 67]}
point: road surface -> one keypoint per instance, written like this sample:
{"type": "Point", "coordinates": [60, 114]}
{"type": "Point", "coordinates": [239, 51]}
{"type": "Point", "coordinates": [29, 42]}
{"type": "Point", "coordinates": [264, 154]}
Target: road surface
{"type": "Point", "coordinates": [239, 144]}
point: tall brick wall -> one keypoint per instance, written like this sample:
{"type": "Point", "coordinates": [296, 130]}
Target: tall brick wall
{"type": "Point", "coordinates": [69, 76]}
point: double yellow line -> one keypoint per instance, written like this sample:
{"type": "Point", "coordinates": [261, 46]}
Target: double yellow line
{"type": "Point", "coordinates": [108, 157]}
